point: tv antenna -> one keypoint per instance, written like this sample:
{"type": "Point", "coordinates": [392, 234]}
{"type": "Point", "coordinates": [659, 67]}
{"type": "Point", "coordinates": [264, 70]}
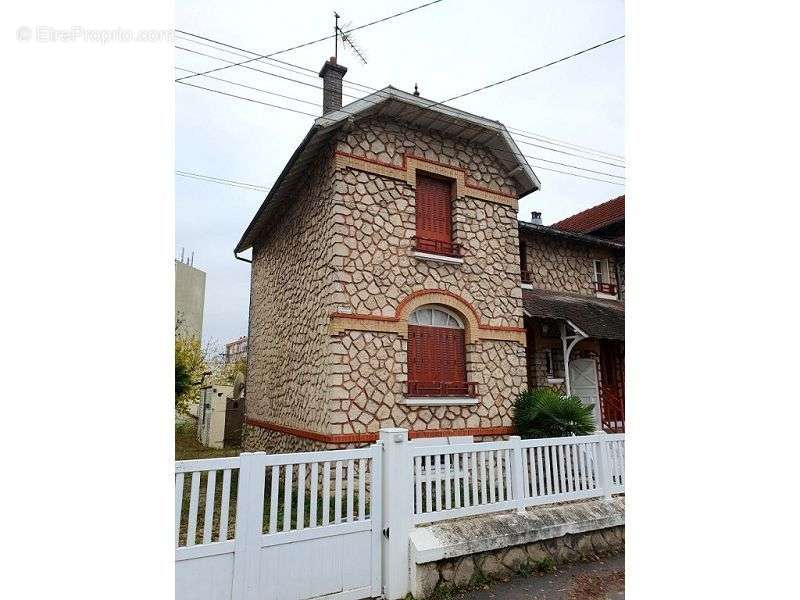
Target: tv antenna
{"type": "Point", "coordinates": [347, 39]}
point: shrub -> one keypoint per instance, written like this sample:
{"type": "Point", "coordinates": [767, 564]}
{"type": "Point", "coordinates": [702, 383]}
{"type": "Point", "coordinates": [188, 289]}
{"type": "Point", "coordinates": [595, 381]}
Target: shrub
{"type": "Point", "coordinates": [543, 412]}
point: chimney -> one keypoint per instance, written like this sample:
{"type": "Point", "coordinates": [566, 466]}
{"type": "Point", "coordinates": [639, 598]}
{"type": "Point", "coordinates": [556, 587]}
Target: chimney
{"type": "Point", "coordinates": [332, 75]}
{"type": "Point", "coordinates": [536, 217]}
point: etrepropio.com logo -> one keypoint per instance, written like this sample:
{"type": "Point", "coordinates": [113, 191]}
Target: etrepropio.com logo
{"type": "Point", "coordinates": [78, 33]}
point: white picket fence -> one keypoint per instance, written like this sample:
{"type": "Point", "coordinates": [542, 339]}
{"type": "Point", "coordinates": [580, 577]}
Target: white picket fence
{"type": "Point", "coordinates": [316, 524]}
{"type": "Point", "coordinates": [469, 479]}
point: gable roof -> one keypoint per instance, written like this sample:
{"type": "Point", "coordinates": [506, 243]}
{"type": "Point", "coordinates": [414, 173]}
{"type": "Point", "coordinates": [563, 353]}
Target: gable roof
{"type": "Point", "coordinates": [399, 106]}
{"type": "Point", "coordinates": [594, 218]}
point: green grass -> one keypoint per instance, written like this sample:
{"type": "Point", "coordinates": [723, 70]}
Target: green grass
{"type": "Point", "coordinates": [187, 446]}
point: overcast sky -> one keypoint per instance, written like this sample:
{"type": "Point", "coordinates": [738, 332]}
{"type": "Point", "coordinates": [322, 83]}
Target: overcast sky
{"type": "Point", "coordinates": [447, 48]}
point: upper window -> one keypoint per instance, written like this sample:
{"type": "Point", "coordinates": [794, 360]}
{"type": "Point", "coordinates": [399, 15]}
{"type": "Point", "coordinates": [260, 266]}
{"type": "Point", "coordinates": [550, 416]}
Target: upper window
{"type": "Point", "coordinates": [434, 217]}
{"type": "Point", "coordinates": [602, 279]}
{"type": "Point", "coordinates": [525, 275]}
{"type": "Point", "coordinates": [437, 354]}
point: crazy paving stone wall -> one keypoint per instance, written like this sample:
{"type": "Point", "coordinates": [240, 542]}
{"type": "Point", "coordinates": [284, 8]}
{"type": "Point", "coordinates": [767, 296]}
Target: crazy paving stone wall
{"type": "Point", "coordinates": [565, 265]}
{"type": "Point", "coordinates": [374, 223]}
{"type": "Point", "coordinates": [290, 304]}
{"type": "Point", "coordinates": [442, 578]}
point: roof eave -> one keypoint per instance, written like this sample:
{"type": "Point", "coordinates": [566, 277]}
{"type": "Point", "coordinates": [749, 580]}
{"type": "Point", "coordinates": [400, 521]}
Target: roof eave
{"type": "Point", "coordinates": [522, 173]}
{"type": "Point", "coordinates": [528, 180]}
{"type": "Point", "coordinates": [572, 235]}
{"type": "Point", "coordinates": [246, 242]}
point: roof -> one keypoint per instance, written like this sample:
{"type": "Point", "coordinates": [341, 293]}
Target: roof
{"type": "Point", "coordinates": [603, 319]}
{"type": "Point", "coordinates": [576, 237]}
{"type": "Point", "coordinates": [596, 217]}
{"type": "Point", "coordinates": [394, 104]}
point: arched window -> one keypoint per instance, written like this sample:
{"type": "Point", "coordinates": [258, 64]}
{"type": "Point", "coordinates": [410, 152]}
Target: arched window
{"type": "Point", "coordinates": [436, 353]}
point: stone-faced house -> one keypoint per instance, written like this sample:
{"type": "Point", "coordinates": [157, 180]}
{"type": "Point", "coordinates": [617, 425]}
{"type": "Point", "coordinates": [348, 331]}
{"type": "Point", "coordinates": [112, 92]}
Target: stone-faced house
{"type": "Point", "coordinates": [386, 284]}
{"type": "Point", "coordinates": [572, 298]}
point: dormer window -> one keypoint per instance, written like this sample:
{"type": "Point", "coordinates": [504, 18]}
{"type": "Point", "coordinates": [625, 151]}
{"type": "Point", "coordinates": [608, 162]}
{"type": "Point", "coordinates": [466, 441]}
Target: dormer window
{"type": "Point", "coordinates": [434, 217]}
{"type": "Point", "coordinates": [602, 279]}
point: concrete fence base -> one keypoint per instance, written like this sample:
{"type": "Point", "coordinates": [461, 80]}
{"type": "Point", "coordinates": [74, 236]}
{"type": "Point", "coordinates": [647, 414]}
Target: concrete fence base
{"type": "Point", "coordinates": [458, 553]}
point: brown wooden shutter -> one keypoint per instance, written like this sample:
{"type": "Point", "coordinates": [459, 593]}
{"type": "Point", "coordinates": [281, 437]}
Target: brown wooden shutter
{"type": "Point", "coordinates": [434, 208]}
{"type": "Point", "coordinates": [436, 360]}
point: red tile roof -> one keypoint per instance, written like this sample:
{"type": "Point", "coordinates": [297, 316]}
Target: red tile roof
{"type": "Point", "coordinates": [594, 218]}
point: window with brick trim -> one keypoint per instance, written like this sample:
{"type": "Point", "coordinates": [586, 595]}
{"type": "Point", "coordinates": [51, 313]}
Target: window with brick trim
{"type": "Point", "coordinates": [437, 354]}
{"type": "Point", "coordinates": [434, 215]}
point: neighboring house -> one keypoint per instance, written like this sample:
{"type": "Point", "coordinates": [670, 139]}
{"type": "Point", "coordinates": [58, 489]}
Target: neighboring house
{"type": "Point", "coordinates": [571, 297]}
{"type": "Point", "coordinates": [386, 283]}
{"type": "Point", "coordinates": [190, 294]}
{"type": "Point", "coordinates": [606, 220]}
{"type": "Point", "coordinates": [236, 350]}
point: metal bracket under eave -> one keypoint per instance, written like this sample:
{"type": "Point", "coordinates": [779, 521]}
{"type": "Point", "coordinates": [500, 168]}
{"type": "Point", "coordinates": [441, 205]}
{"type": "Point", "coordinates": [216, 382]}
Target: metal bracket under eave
{"type": "Point", "coordinates": [568, 342]}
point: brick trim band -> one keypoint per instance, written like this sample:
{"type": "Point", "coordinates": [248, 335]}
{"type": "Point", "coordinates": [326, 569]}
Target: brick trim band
{"type": "Point", "coordinates": [398, 324]}
{"type": "Point", "coordinates": [408, 172]}
{"type": "Point", "coordinates": [356, 438]}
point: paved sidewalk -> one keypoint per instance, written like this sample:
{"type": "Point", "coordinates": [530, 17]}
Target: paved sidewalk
{"type": "Point", "coordinates": [600, 580]}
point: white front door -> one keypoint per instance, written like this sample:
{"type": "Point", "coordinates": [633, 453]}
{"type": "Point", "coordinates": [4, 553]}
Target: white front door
{"type": "Point", "coordinates": [583, 383]}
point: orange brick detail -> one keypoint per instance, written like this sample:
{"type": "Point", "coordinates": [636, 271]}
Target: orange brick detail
{"type": "Point", "coordinates": [356, 438]}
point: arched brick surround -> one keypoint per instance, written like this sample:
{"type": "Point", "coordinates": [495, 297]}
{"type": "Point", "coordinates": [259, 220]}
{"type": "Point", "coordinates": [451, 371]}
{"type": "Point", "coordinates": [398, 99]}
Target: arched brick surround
{"type": "Point", "coordinates": [474, 329]}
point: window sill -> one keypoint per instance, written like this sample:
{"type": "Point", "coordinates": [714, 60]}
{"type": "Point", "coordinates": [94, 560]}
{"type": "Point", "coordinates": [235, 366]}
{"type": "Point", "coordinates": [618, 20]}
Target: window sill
{"type": "Point", "coordinates": [555, 380]}
{"type": "Point", "coordinates": [526, 286]}
{"type": "Point", "coordinates": [605, 296]}
{"type": "Point", "coordinates": [439, 400]}
{"type": "Point", "coordinates": [443, 258]}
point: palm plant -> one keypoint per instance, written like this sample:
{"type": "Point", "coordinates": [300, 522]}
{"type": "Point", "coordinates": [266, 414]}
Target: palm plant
{"type": "Point", "coordinates": [543, 412]}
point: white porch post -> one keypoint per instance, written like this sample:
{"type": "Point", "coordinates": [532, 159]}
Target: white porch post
{"type": "Point", "coordinates": [396, 495]}
{"type": "Point", "coordinates": [567, 344]}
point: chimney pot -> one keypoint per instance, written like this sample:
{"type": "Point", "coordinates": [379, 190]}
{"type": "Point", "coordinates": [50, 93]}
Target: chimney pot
{"type": "Point", "coordinates": [332, 75]}
{"type": "Point", "coordinates": [536, 217]}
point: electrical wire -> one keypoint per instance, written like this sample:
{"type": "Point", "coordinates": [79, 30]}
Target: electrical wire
{"type": "Point", "coordinates": [299, 112]}
{"type": "Point", "coordinates": [322, 39]}
{"type": "Point", "coordinates": [221, 181]}
{"type": "Point", "coordinates": [250, 87]}
{"type": "Point", "coordinates": [534, 70]}
{"type": "Point", "coordinates": [180, 80]}
{"type": "Point", "coordinates": [488, 147]}
{"type": "Point", "coordinates": [313, 74]}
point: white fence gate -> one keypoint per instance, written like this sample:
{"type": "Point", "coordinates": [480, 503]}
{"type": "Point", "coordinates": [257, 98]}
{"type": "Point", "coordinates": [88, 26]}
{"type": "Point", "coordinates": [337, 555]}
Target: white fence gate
{"type": "Point", "coordinates": [279, 526]}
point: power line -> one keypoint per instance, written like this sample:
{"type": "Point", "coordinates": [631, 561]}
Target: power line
{"type": "Point", "coordinates": [572, 166]}
{"type": "Point", "coordinates": [498, 149]}
{"type": "Point", "coordinates": [231, 63]}
{"type": "Point", "coordinates": [569, 165]}
{"type": "Point", "coordinates": [564, 144]}
{"type": "Point", "coordinates": [541, 168]}
{"type": "Point", "coordinates": [181, 80]}
{"type": "Point", "coordinates": [250, 87]}
{"type": "Point", "coordinates": [221, 181]}
{"type": "Point", "coordinates": [300, 112]}
{"type": "Point", "coordinates": [539, 68]}
{"type": "Point", "coordinates": [597, 160]}
{"type": "Point", "coordinates": [314, 75]}
{"type": "Point", "coordinates": [322, 39]}
{"type": "Point", "coordinates": [491, 85]}
{"type": "Point", "coordinates": [290, 67]}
